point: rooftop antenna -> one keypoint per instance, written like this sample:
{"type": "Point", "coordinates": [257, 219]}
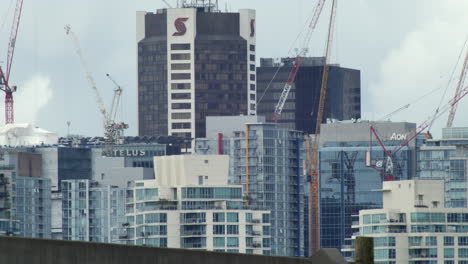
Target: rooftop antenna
{"type": "Point", "coordinates": [68, 128]}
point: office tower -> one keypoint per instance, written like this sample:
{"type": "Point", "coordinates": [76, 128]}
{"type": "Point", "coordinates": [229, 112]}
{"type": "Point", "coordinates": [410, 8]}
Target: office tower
{"type": "Point", "coordinates": [446, 159]}
{"type": "Point", "coordinates": [346, 180]}
{"type": "Point", "coordinates": [268, 161]}
{"type": "Point", "coordinates": [413, 226]}
{"type": "Point", "coordinates": [343, 99]}
{"type": "Point", "coordinates": [193, 62]}
{"type": "Point", "coordinates": [190, 205]}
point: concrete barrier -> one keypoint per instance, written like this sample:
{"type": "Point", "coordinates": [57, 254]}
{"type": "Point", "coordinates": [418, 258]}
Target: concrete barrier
{"type": "Point", "coordinates": [14, 250]}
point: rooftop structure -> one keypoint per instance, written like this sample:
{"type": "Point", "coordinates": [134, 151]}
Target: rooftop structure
{"type": "Point", "coordinates": [18, 135]}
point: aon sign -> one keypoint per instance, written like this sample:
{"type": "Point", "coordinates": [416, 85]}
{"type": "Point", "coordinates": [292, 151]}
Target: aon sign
{"type": "Point", "coordinates": [396, 136]}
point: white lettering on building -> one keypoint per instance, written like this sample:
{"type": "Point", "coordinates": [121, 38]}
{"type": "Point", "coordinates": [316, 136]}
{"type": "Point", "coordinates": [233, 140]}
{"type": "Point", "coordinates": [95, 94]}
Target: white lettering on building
{"type": "Point", "coordinates": [396, 136]}
{"type": "Point", "coordinates": [129, 153]}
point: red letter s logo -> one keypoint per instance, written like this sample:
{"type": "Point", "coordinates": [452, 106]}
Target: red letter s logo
{"type": "Point", "coordinates": [180, 26]}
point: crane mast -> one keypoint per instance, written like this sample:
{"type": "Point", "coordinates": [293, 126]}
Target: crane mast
{"type": "Point", "coordinates": [88, 75]}
{"type": "Point", "coordinates": [115, 99]}
{"type": "Point", "coordinates": [5, 75]}
{"type": "Point", "coordinates": [458, 92]}
{"type": "Point", "coordinates": [312, 145]}
{"type": "Point", "coordinates": [113, 131]}
{"type": "Point", "coordinates": [298, 61]}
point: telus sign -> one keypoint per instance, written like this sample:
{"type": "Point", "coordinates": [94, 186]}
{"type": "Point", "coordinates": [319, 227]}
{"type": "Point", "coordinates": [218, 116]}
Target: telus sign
{"type": "Point", "coordinates": [127, 153]}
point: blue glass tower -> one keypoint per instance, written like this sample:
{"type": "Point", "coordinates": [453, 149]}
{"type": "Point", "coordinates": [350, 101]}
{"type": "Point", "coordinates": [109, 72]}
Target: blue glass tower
{"type": "Point", "coordinates": [347, 183]}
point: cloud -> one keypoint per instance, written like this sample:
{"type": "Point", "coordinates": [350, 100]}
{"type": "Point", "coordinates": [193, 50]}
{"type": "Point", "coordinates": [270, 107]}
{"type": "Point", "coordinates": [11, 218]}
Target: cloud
{"type": "Point", "coordinates": [31, 99]}
{"type": "Point", "coordinates": [422, 63]}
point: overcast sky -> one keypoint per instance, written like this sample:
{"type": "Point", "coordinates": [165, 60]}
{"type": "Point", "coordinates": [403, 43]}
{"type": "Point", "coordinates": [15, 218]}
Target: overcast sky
{"type": "Point", "coordinates": [404, 49]}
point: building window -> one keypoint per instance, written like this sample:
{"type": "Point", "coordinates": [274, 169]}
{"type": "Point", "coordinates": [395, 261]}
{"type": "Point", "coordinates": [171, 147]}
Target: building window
{"type": "Point", "coordinates": [183, 46]}
{"type": "Point", "coordinates": [431, 241]}
{"type": "Point", "coordinates": [232, 217]}
{"type": "Point", "coordinates": [232, 229]}
{"type": "Point", "coordinates": [266, 242]}
{"type": "Point", "coordinates": [248, 217]}
{"type": "Point", "coordinates": [181, 106]}
{"type": "Point", "coordinates": [219, 230]}
{"type": "Point", "coordinates": [181, 76]}
{"type": "Point", "coordinates": [448, 241]}
{"type": "Point", "coordinates": [449, 253]}
{"type": "Point", "coordinates": [180, 86]}
{"type": "Point", "coordinates": [463, 241]}
{"type": "Point", "coordinates": [414, 241]}
{"type": "Point", "coordinates": [219, 242]}
{"type": "Point", "coordinates": [232, 242]}
{"type": "Point", "coordinates": [463, 252]}
{"type": "Point", "coordinates": [181, 125]}
{"type": "Point", "coordinates": [181, 115]}
{"type": "Point", "coordinates": [252, 97]}
{"type": "Point", "coordinates": [218, 217]}
{"type": "Point", "coordinates": [252, 67]}
{"type": "Point", "coordinates": [252, 47]}
{"type": "Point", "coordinates": [180, 66]}
{"type": "Point", "coordinates": [180, 56]}
{"type": "Point", "coordinates": [252, 87]}
{"type": "Point", "coordinates": [200, 180]}
{"type": "Point", "coordinates": [252, 57]}
{"type": "Point", "coordinates": [252, 77]}
{"type": "Point", "coordinates": [265, 218]}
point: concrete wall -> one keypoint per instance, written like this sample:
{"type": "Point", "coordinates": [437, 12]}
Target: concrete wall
{"type": "Point", "coordinates": [40, 251]}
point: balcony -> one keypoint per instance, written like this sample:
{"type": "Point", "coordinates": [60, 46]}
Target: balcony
{"type": "Point", "coordinates": [193, 233]}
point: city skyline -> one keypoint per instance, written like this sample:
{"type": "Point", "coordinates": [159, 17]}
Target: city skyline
{"type": "Point", "coordinates": [427, 34]}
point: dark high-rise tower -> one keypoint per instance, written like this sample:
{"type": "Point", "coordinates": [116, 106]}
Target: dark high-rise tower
{"type": "Point", "coordinates": [343, 99]}
{"type": "Point", "coordinates": [194, 62]}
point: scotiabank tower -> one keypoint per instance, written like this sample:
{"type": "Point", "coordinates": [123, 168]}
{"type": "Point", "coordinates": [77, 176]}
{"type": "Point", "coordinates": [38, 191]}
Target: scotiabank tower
{"type": "Point", "coordinates": [194, 62]}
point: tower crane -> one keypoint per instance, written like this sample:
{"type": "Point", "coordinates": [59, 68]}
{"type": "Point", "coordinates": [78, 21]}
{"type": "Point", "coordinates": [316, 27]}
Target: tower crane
{"type": "Point", "coordinates": [5, 75]}
{"type": "Point", "coordinates": [312, 145]}
{"type": "Point", "coordinates": [419, 130]}
{"type": "Point", "coordinates": [459, 91]}
{"type": "Point", "coordinates": [112, 131]}
{"type": "Point", "coordinates": [298, 61]}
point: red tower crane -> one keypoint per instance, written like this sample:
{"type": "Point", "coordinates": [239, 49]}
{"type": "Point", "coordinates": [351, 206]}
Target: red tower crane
{"type": "Point", "coordinates": [298, 61]}
{"type": "Point", "coordinates": [459, 91]}
{"type": "Point", "coordinates": [5, 75]}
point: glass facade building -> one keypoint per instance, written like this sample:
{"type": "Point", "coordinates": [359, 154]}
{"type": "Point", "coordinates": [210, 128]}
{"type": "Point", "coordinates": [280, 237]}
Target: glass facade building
{"type": "Point", "coordinates": [267, 160]}
{"type": "Point", "coordinates": [91, 212]}
{"type": "Point", "coordinates": [33, 206]}
{"type": "Point", "coordinates": [446, 159]}
{"type": "Point", "coordinates": [347, 183]}
{"type": "Point", "coordinates": [300, 110]}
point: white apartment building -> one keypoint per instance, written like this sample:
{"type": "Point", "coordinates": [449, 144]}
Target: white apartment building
{"type": "Point", "coordinates": [190, 205]}
{"type": "Point", "coordinates": [414, 226]}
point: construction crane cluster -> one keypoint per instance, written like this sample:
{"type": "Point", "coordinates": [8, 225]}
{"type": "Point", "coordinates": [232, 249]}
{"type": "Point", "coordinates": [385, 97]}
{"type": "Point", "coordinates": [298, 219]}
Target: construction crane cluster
{"type": "Point", "coordinates": [113, 131]}
{"type": "Point", "coordinates": [5, 85]}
